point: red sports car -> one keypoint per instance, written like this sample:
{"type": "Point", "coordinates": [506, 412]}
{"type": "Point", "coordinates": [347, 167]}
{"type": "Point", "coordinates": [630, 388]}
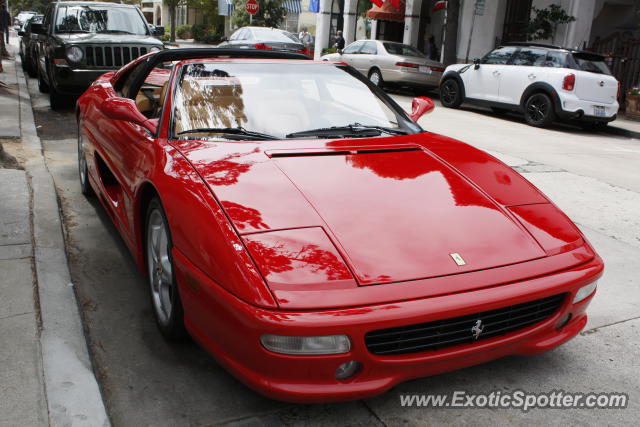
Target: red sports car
{"type": "Point", "coordinates": [297, 223]}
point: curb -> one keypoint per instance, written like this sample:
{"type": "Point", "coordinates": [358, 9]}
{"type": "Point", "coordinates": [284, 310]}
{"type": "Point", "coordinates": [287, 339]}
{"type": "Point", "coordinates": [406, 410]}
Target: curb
{"type": "Point", "coordinates": [71, 389]}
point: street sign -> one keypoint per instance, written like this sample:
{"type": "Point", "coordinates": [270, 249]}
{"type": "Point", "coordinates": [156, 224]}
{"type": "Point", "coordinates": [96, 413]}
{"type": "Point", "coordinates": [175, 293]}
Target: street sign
{"type": "Point", "coordinates": [252, 7]}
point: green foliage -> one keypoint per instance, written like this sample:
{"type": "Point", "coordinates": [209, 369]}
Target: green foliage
{"type": "Point", "coordinates": [544, 24]}
{"type": "Point", "coordinates": [199, 31]}
{"type": "Point", "coordinates": [329, 50]}
{"type": "Point", "coordinates": [211, 38]}
{"type": "Point", "coordinates": [270, 14]}
{"type": "Point", "coordinates": [15, 6]}
{"type": "Point", "coordinates": [183, 32]}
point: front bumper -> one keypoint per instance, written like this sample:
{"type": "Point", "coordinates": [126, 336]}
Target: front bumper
{"type": "Point", "coordinates": [573, 108]}
{"type": "Point", "coordinates": [74, 81]}
{"type": "Point", "coordinates": [230, 330]}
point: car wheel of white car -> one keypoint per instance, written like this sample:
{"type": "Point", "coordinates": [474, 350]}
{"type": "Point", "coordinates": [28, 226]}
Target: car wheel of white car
{"type": "Point", "coordinates": [450, 93]}
{"type": "Point", "coordinates": [538, 110]}
{"type": "Point", "coordinates": [376, 77]}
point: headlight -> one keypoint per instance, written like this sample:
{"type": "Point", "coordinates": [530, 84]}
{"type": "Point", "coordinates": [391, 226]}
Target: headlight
{"type": "Point", "coordinates": [154, 49]}
{"type": "Point", "coordinates": [585, 291]}
{"type": "Point", "coordinates": [329, 344]}
{"type": "Point", "coordinates": [74, 54]}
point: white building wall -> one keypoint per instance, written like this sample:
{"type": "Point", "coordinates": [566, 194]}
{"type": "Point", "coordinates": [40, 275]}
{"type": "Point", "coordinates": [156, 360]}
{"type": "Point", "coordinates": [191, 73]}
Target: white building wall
{"type": "Point", "coordinates": [578, 32]}
{"type": "Point", "coordinates": [486, 28]}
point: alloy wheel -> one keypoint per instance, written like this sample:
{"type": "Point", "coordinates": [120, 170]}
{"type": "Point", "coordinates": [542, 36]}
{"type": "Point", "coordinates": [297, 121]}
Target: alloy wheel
{"type": "Point", "coordinates": [160, 267]}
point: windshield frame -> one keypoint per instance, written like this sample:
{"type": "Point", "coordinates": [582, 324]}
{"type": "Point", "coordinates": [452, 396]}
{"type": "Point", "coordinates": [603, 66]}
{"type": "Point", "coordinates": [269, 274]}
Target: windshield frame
{"type": "Point", "coordinates": [404, 121]}
{"type": "Point", "coordinates": [102, 6]}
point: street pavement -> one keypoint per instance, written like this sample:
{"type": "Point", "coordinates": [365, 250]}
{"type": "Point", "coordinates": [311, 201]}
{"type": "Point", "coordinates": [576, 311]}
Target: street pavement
{"type": "Point", "coordinates": [146, 381]}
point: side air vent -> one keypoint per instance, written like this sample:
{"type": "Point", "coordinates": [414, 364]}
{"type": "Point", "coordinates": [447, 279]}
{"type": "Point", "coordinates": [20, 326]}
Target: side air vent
{"type": "Point", "coordinates": [311, 153]}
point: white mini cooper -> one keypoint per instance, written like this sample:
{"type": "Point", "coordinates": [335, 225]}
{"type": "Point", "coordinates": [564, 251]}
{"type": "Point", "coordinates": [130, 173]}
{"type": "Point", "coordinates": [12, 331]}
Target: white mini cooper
{"type": "Point", "coordinates": [544, 82]}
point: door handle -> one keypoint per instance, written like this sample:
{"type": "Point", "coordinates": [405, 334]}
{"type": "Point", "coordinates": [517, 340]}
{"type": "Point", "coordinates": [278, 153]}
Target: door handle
{"type": "Point", "coordinates": [532, 76]}
{"type": "Point", "coordinates": [496, 73]}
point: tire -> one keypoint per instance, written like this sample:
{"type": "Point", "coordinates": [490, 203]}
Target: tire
{"type": "Point", "coordinates": [56, 100]}
{"type": "Point", "coordinates": [83, 170]}
{"type": "Point", "coordinates": [23, 62]}
{"type": "Point", "coordinates": [165, 297]}
{"type": "Point", "coordinates": [450, 93]}
{"type": "Point", "coordinates": [376, 77]}
{"type": "Point", "coordinates": [31, 67]}
{"type": "Point", "coordinates": [43, 87]}
{"type": "Point", "coordinates": [538, 110]}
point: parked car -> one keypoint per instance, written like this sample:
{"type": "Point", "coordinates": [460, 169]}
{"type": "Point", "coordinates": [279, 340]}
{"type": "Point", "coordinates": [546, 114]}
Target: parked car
{"type": "Point", "coordinates": [264, 39]}
{"type": "Point", "coordinates": [542, 81]}
{"type": "Point", "coordinates": [387, 62]}
{"type": "Point", "coordinates": [22, 18]}
{"type": "Point", "coordinates": [29, 46]}
{"type": "Point", "coordinates": [310, 235]}
{"type": "Point", "coordinates": [83, 40]}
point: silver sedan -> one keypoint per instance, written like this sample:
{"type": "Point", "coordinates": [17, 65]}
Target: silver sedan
{"type": "Point", "coordinates": [390, 62]}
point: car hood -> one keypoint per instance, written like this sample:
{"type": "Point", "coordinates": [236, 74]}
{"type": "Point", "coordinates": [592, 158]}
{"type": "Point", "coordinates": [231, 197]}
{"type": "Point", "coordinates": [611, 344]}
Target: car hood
{"type": "Point", "coordinates": [394, 210]}
{"type": "Point", "coordinates": [95, 38]}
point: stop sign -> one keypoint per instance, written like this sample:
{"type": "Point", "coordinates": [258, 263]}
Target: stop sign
{"type": "Point", "coordinates": [252, 6]}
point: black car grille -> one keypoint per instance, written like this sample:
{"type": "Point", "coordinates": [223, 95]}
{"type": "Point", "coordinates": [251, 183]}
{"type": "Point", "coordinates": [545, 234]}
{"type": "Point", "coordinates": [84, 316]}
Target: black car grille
{"type": "Point", "coordinates": [458, 330]}
{"type": "Point", "coordinates": [112, 56]}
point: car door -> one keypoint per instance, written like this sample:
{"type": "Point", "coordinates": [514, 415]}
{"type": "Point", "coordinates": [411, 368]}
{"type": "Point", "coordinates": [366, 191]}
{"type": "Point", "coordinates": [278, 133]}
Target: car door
{"type": "Point", "coordinates": [122, 148]}
{"type": "Point", "coordinates": [367, 56]}
{"type": "Point", "coordinates": [482, 81]}
{"type": "Point", "coordinates": [350, 54]}
{"type": "Point", "coordinates": [525, 68]}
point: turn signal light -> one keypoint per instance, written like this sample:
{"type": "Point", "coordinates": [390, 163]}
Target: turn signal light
{"type": "Point", "coordinates": [569, 82]}
{"type": "Point", "coordinates": [262, 46]}
{"type": "Point", "coordinates": [328, 344]}
{"type": "Point", "coordinates": [407, 64]}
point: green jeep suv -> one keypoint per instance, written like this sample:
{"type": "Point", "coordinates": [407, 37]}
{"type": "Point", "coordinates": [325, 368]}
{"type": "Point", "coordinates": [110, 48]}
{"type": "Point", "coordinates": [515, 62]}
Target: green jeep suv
{"type": "Point", "coordinates": [80, 40]}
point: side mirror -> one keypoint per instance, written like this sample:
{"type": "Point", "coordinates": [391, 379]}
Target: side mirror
{"type": "Point", "coordinates": [158, 31]}
{"type": "Point", "coordinates": [21, 33]}
{"type": "Point", "coordinates": [224, 39]}
{"type": "Point", "coordinates": [125, 109]}
{"type": "Point", "coordinates": [38, 29]}
{"type": "Point", "coordinates": [421, 106]}
{"type": "Point", "coordinates": [476, 63]}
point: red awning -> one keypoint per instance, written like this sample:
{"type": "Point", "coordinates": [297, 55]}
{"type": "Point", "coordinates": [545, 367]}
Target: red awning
{"type": "Point", "coordinates": [387, 12]}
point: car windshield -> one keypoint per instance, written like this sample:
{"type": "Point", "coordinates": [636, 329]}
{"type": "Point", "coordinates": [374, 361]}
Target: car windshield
{"type": "Point", "coordinates": [100, 19]}
{"type": "Point", "coordinates": [273, 35]}
{"type": "Point", "coordinates": [277, 99]}
{"type": "Point", "coordinates": [591, 63]}
{"type": "Point", "coordinates": [403, 49]}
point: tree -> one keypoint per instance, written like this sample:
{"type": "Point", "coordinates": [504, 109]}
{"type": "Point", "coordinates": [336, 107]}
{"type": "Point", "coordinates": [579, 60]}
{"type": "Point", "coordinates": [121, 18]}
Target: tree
{"type": "Point", "coordinates": [270, 14]}
{"type": "Point", "coordinates": [451, 32]}
{"type": "Point", "coordinates": [209, 9]}
{"type": "Point", "coordinates": [173, 5]}
{"type": "Point", "coordinates": [34, 5]}
{"type": "Point", "coordinates": [545, 23]}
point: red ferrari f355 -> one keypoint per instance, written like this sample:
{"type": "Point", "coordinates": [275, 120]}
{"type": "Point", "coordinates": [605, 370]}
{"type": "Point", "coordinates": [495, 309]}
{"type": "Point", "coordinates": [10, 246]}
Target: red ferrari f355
{"type": "Point", "coordinates": [311, 236]}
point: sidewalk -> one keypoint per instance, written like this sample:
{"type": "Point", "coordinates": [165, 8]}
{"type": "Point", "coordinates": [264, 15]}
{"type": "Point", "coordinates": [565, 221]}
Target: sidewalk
{"type": "Point", "coordinates": [46, 375]}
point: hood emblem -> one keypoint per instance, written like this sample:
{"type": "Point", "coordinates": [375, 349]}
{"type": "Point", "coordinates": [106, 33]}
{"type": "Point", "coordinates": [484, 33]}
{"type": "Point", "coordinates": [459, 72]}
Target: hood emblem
{"type": "Point", "coordinates": [477, 329]}
{"type": "Point", "coordinates": [457, 258]}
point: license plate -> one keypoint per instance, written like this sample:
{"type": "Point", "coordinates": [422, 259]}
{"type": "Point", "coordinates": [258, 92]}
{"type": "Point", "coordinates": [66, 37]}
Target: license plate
{"type": "Point", "coordinates": [424, 69]}
{"type": "Point", "coordinates": [599, 110]}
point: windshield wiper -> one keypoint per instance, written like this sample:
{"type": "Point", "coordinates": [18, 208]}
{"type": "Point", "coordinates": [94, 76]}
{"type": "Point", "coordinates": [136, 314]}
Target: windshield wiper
{"type": "Point", "coordinates": [115, 32]}
{"type": "Point", "coordinates": [234, 131]}
{"type": "Point", "coordinates": [354, 129]}
{"type": "Point", "coordinates": [71, 31]}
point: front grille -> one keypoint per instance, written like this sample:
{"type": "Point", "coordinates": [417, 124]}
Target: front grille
{"type": "Point", "coordinates": [458, 330]}
{"type": "Point", "coordinates": [112, 56]}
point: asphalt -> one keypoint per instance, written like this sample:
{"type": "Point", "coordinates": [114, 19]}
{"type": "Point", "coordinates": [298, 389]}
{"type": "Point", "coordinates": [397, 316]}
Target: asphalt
{"type": "Point", "coordinates": [46, 371]}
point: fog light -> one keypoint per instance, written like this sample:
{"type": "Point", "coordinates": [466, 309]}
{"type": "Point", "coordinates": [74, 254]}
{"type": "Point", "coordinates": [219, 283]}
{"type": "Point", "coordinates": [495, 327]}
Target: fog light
{"type": "Point", "coordinates": [563, 322]}
{"type": "Point", "coordinates": [585, 291]}
{"type": "Point", "coordinates": [329, 344]}
{"type": "Point", "coordinates": [347, 370]}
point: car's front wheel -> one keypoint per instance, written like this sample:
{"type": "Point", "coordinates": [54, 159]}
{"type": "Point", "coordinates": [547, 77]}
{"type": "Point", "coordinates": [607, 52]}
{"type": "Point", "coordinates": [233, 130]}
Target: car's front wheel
{"type": "Point", "coordinates": [43, 87]}
{"type": "Point", "coordinates": [83, 170]}
{"type": "Point", "coordinates": [450, 93]}
{"type": "Point", "coordinates": [538, 110]}
{"type": "Point", "coordinates": [376, 77]}
{"type": "Point", "coordinates": [165, 298]}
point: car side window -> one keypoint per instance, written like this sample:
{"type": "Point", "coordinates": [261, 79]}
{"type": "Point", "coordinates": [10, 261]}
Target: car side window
{"type": "Point", "coordinates": [242, 35]}
{"type": "Point", "coordinates": [529, 57]}
{"type": "Point", "coordinates": [151, 95]}
{"type": "Point", "coordinates": [556, 59]}
{"type": "Point", "coordinates": [353, 47]}
{"type": "Point", "coordinates": [500, 56]}
{"type": "Point", "coordinates": [123, 85]}
{"type": "Point", "coordinates": [369, 48]}
{"type": "Point", "coordinates": [47, 17]}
